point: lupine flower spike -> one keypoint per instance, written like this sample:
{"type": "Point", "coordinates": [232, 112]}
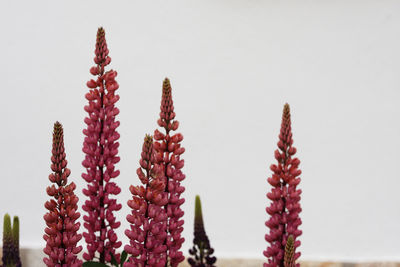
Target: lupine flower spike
{"type": "Point", "coordinates": [101, 148]}
{"type": "Point", "coordinates": [288, 260]}
{"type": "Point", "coordinates": [148, 218]}
{"type": "Point", "coordinates": [202, 251]}
{"type": "Point", "coordinates": [168, 155]}
{"type": "Point", "coordinates": [285, 197]}
{"type": "Point", "coordinates": [10, 256]}
{"type": "Point", "coordinates": [61, 232]}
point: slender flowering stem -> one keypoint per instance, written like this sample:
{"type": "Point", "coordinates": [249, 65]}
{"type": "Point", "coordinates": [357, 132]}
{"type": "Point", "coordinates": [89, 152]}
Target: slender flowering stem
{"type": "Point", "coordinates": [61, 233]}
{"type": "Point", "coordinates": [148, 218]}
{"type": "Point", "coordinates": [168, 155]}
{"type": "Point", "coordinates": [201, 251]}
{"type": "Point", "coordinates": [285, 197]}
{"type": "Point", "coordinates": [101, 149]}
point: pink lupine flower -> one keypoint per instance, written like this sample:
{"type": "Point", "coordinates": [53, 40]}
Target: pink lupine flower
{"type": "Point", "coordinates": [285, 198]}
{"type": "Point", "coordinates": [168, 155]}
{"type": "Point", "coordinates": [101, 149]}
{"type": "Point", "coordinates": [61, 232]}
{"type": "Point", "coordinates": [148, 218]}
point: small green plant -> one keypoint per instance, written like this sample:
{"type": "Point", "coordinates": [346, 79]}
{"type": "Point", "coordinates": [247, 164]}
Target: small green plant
{"type": "Point", "coordinates": [11, 242]}
{"type": "Point", "coordinates": [114, 262]}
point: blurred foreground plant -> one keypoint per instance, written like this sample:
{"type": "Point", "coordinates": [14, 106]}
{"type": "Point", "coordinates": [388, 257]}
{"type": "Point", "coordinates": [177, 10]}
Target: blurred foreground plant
{"type": "Point", "coordinates": [11, 256]}
{"type": "Point", "coordinates": [201, 251]}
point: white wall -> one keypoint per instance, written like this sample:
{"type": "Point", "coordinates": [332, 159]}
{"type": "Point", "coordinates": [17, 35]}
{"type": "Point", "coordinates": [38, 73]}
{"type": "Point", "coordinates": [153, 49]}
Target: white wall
{"type": "Point", "coordinates": [232, 64]}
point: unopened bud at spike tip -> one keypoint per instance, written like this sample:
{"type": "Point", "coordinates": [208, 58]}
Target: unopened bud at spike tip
{"type": "Point", "coordinates": [7, 226]}
{"type": "Point", "coordinates": [16, 230]}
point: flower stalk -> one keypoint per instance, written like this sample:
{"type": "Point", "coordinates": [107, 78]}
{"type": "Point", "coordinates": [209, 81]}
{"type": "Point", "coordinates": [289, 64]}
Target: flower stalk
{"type": "Point", "coordinates": [201, 251]}
{"type": "Point", "coordinates": [61, 232]}
{"type": "Point", "coordinates": [285, 197]}
{"type": "Point", "coordinates": [168, 155]}
{"type": "Point", "coordinates": [101, 148]}
{"type": "Point", "coordinates": [148, 217]}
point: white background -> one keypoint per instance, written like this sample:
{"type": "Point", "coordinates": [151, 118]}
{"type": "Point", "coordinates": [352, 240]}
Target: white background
{"type": "Point", "coordinates": [232, 65]}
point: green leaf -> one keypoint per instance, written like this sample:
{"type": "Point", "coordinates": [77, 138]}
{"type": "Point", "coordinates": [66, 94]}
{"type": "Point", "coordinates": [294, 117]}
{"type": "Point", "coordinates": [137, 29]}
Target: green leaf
{"type": "Point", "coordinates": [124, 255]}
{"type": "Point", "coordinates": [94, 264]}
{"type": "Point", "coordinates": [113, 260]}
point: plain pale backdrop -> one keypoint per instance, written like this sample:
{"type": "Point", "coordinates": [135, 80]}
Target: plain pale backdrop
{"type": "Point", "coordinates": [232, 65]}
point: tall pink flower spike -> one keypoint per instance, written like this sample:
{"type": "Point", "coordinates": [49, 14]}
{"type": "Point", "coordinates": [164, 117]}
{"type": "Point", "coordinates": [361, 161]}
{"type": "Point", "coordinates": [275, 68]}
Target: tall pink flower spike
{"type": "Point", "coordinates": [285, 206]}
{"type": "Point", "coordinates": [169, 151]}
{"type": "Point", "coordinates": [101, 148]}
{"type": "Point", "coordinates": [61, 232]}
{"type": "Point", "coordinates": [148, 218]}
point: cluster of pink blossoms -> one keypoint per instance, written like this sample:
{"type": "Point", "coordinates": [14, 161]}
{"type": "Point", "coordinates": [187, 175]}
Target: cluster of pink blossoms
{"type": "Point", "coordinates": [61, 232]}
{"type": "Point", "coordinates": [101, 149]}
{"type": "Point", "coordinates": [168, 152]}
{"type": "Point", "coordinates": [285, 206]}
{"type": "Point", "coordinates": [148, 218]}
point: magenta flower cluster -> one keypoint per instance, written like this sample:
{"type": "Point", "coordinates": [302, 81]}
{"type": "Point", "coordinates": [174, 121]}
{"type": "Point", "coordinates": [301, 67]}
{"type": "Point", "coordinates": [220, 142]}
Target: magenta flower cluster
{"type": "Point", "coordinates": [61, 232]}
{"type": "Point", "coordinates": [101, 149]}
{"type": "Point", "coordinates": [285, 197]}
{"type": "Point", "coordinates": [148, 218]}
{"type": "Point", "coordinates": [168, 155]}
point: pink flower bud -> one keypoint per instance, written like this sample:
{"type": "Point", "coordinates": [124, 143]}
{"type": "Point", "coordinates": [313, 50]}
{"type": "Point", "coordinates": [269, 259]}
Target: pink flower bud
{"type": "Point", "coordinates": [94, 70]}
{"type": "Point", "coordinates": [158, 135]}
{"type": "Point", "coordinates": [175, 125]}
{"type": "Point", "coordinates": [292, 151]}
{"type": "Point", "coordinates": [91, 84]}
